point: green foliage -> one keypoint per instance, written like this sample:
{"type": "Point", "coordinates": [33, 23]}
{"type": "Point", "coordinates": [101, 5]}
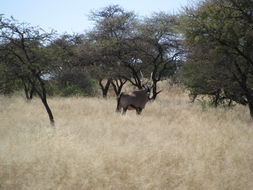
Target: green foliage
{"type": "Point", "coordinates": [8, 84]}
{"type": "Point", "coordinates": [74, 83]}
{"type": "Point", "coordinates": [121, 46]}
{"type": "Point", "coordinates": [218, 38]}
{"type": "Point", "coordinates": [72, 90]}
{"type": "Point", "coordinates": [204, 103]}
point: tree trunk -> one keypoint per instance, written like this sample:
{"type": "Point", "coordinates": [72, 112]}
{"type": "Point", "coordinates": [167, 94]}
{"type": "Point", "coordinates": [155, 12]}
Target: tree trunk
{"type": "Point", "coordinates": [26, 94]}
{"type": "Point", "coordinates": [249, 97]}
{"type": "Point", "coordinates": [242, 81]}
{"type": "Point", "coordinates": [105, 87]}
{"type": "Point", "coordinates": [216, 98]}
{"type": "Point", "coordinates": [135, 78]}
{"type": "Point", "coordinates": [117, 85]}
{"type": "Point", "coordinates": [31, 93]}
{"type": "Point", "coordinates": [29, 90]}
{"type": "Point", "coordinates": [49, 112]}
{"type": "Point", "coordinates": [154, 91]}
{"type": "Point", "coordinates": [251, 110]}
{"type": "Point", "coordinates": [26, 90]}
{"type": "Point", "coordinates": [42, 93]}
{"type": "Point", "coordinates": [248, 94]}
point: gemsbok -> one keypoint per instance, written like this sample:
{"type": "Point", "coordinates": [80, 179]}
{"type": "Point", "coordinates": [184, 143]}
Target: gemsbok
{"type": "Point", "coordinates": [133, 101]}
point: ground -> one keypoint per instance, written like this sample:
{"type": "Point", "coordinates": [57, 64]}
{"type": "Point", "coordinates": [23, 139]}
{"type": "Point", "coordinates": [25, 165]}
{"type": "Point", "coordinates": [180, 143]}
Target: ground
{"type": "Point", "coordinates": [174, 144]}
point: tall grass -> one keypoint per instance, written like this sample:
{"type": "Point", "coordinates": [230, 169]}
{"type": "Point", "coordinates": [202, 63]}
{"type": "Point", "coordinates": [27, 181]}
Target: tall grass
{"type": "Point", "coordinates": [173, 145]}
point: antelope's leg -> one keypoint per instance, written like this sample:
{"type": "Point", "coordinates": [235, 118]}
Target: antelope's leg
{"type": "Point", "coordinates": [118, 109]}
{"type": "Point", "coordinates": [124, 111]}
{"type": "Point", "coordinates": [138, 111]}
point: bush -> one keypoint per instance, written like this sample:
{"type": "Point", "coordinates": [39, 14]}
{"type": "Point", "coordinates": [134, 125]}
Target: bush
{"type": "Point", "coordinates": [73, 83]}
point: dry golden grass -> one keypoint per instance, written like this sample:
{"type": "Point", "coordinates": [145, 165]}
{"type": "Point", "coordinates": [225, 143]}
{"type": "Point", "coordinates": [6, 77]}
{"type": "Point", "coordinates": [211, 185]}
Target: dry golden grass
{"type": "Point", "coordinates": [173, 145]}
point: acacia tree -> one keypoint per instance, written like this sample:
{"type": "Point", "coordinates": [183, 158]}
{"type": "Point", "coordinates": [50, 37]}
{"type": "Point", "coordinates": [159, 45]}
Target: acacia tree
{"type": "Point", "coordinates": [103, 67]}
{"type": "Point", "coordinates": [227, 25]}
{"type": "Point", "coordinates": [105, 46]}
{"type": "Point", "coordinates": [63, 50]}
{"type": "Point", "coordinates": [90, 58]}
{"type": "Point", "coordinates": [26, 56]}
{"type": "Point", "coordinates": [68, 77]}
{"type": "Point", "coordinates": [158, 46]}
{"type": "Point", "coordinates": [127, 49]}
{"type": "Point", "coordinates": [205, 73]}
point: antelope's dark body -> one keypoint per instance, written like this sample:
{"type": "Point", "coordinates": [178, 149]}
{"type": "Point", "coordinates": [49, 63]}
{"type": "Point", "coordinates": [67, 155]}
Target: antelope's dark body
{"type": "Point", "coordinates": [135, 100]}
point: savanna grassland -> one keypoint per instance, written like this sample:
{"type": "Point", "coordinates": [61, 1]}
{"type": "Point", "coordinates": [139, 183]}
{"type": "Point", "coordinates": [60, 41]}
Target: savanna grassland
{"type": "Point", "coordinates": [173, 145]}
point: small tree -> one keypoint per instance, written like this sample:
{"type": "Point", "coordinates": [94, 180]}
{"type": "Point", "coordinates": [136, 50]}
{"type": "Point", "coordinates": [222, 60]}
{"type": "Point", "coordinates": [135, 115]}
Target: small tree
{"type": "Point", "coordinates": [103, 51]}
{"type": "Point", "coordinates": [158, 46]}
{"type": "Point", "coordinates": [27, 58]}
{"type": "Point", "coordinates": [91, 58]}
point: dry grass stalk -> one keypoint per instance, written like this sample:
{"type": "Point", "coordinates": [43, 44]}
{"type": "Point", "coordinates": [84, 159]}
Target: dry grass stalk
{"type": "Point", "coordinates": [173, 145]}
